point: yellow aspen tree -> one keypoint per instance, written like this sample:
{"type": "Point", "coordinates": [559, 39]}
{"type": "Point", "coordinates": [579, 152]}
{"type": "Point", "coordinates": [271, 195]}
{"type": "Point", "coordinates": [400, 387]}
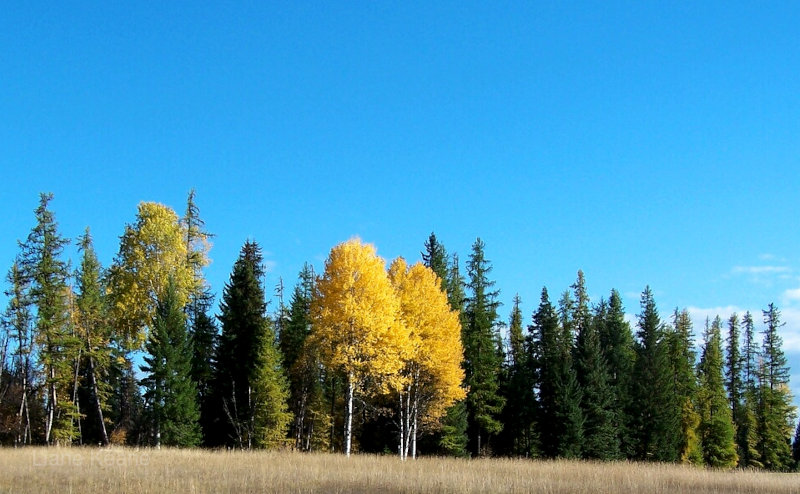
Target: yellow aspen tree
{"type": "Point", "coordinates": [432, 373]}
{"type": "Point", "coordinates": [355, 323]}
{"type": "Point", "coordinates": [151, 251]}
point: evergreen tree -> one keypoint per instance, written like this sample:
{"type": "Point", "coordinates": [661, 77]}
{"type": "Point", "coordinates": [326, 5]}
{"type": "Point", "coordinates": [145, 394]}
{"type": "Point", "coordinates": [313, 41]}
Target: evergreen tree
{"type": "Point", "coordinates": [734, 382]}
{"type": "Point", "coordinates": [58, 346]}
{"type": "Point", "coordinates": [95, 330]}
{"type": "Point", "coordinates": [684, 385]}
{"type": "Point", "coordinates": [616, 340]}
{"type": "Point", "coordinates": [657, 429]}
{"type": "Point", "coordinates": [601, 437]}
{"type": "Point", "coordinates": [560, 421]}
{"type": "Point", "coordinates": [716, 425]}
{"type": "Point", "coordinates": [435, 257]}
{"type": "Point", "coordinates": [776, 413]}
{"type": "Point", "coordinates": [304, 377]}
{"type": "Point", "coordinates": [18, 324]}
{"type": "Point", "coordinates": [518, 414]}
{"type": "Point", "coordinates": [452, 438]}
{"type": "Point", "coordinates": [246, 371]}
{"type": "Point", "coordinates": [747, 435]}
{"type": "Point", "coordinates": [481, 357]}
{"type": "Point", "coordinates": [202, 328]}
{"type": "Point", "coordinates": [171, 395]}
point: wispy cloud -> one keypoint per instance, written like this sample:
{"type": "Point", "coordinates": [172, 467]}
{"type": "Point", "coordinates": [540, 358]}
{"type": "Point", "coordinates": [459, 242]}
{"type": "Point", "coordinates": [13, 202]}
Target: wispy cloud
{"type": "Point", "coordinates": [760, 270]}
{"type": "Point", "coordinates": [792, 294]}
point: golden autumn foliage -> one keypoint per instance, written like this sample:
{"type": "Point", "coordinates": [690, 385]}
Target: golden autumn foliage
{"type": "Point", "coordinates": [151, 250]}
{"type": "Point", "coordinates": [433, 369]}
{"type": "Point", "coordinates": [354, 314]}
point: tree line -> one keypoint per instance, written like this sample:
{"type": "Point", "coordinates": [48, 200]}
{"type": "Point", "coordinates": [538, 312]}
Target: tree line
{"type": "Point", "coordinates": [401, 359]}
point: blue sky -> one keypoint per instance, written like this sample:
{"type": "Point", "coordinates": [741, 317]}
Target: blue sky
{"type": "Point", "coordinates": [644, 143]}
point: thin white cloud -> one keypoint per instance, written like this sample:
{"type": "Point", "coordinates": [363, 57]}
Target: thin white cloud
{"type": "Point", "coordinates": [757, 270]}
{"type": "Point", "coordinates": [793, 294]}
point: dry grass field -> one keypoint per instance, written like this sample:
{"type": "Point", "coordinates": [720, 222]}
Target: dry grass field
{"type": "Point", "coordinates": [84, 470]}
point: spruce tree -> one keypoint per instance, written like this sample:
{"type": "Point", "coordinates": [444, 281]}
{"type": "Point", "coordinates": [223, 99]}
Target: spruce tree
{"type": "Point", "coordinates": [796, 447]}
{"type": "Point", "coordinates": [452, 438]}
{"type": "Point", "coordinates": [246, 370]}
{"type": "Point", "coordinates": [681, 357]}
{"type": "Point", "coordinates": [58, 346]}
{"type": "Point", "coordinates": [601, 437]}
{"type": "Point", "coordinates": [657, 429]}
{"type": "Point", "coordinates": [776, 413]}
{"type": "Point", "coordinates": [716, 425]}
{"type": "Point", "coordinates": [616, 340]}
{"type": "Point", "coordinates": [481, 358]}
{"type": "Point", "coordinates": [734, 375]}
{"type": "Point", "coordinates": [300, 365]}
{"type": "Point", "coordinates": [747, 434]}
{"type": "Point", "coordinates": [560, 420]}
{"type": "Point", "coordinates": [171, 395]}
{"type": "Point", "coordinates": [435, 257]}
{"type": "Point", "coordinates": [96, 332]}
{"type": "Point", "coordinates": [518, 414]}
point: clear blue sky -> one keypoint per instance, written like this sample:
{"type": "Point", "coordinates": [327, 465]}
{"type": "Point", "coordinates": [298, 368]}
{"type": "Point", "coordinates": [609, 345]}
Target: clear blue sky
{"type": "Point", "coordinates": [643, 143]}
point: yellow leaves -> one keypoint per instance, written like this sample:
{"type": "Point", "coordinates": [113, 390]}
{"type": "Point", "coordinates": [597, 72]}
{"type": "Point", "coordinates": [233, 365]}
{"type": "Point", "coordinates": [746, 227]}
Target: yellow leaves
{"type": "Point", "coordinates": [354, 315]}
{"type": "Point", "coordinates": [151, 251]}
{"type": "Point", "coordinates": [434, 361]}
{"type": "Point", "coordinates": [394, 328]}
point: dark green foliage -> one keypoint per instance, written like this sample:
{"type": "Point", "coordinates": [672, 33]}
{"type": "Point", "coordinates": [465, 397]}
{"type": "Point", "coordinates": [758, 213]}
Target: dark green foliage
{"type": "Point", "coordinates": [170, 394]}
{"type": "Point", "coordinates": [204, 338]}
{"type": "Point", "coordinates": [95, 330]}
{"type": "Point", "coordinates": [435, 257]}
{"type": "Point", "coordinates": [601, 437]}
{"type": "Point", "coordinates": [518, 437]}
{"type": "Point", "coordinates": [746, 424]}
{"type": "Point", "coordinates": [245, 363]}
{"type": "Point", "coordinates": [560, 420]}
{"type": "Point", "coordinates": [616, 340]}
{"type": "Point", "coordinates": [481, 356]}
{"type": "Point", "coordinates": [775, 412]}
{"type": "Point", "coordinates": [656, 427]}
{"type": "Point", "coordinates": [304, 375]}
{"type": "Point", "coordinates": [681, 356]}
{"type": "Point", "coordinates": [716, 426]}
{"type": "Point", "coordinates": [58, 346]}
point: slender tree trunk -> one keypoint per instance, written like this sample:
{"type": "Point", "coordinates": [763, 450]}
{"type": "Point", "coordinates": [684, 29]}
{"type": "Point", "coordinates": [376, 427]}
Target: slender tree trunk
{"type": "Point", "coordinates": [51, 405]}
{"type": "Point", "coordinates": [414, 412]}
{"type": "Point", "coordinates": [333, 413]}
{"type": "Point", "coordinates": [98, 405]}
{"type": "Point", "coordinates": [401, 448]}
{"type": "Point", "coordinates": [348, 418]}
{"type": "Point", "coordinates": [75, 398]}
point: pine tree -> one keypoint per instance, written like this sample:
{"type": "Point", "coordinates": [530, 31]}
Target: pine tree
{"type": "Point", "coordinates": [18, 324]}
{"type": "Point", "coordinates": [616, 340]}
{"type": "Point", "coordinates": [734, 382]}
{"type": "Point", "coordinates": [299, 361]}
{"type": "Point", "coordinates": [518, 433]}
{"type": "Point", "coordinates": [747, 435]}
{"type": "Point", "coordinates": [560, 420]}
{"type": "Point", "coordinates": [58, 347]}
{"type": "Point", "coordinates": [435, 257]}
{"type": "Point", "coordinates": [601, 437]}
{"type": "Point", "coordinates": [657, 428]}
{"type": "Point", "coordinates": [681, 358]}
{"type": "Point", "coordinates": [481, 357]}
{"type": "Point", "coordinates": [452, 438]}
{"type": "Point", "coordinates": [171, 395]}
{"type": "Point", "coordinates": [96, 333]}
{"type": "Point", "coordinates": [202, 328]}
{"type": "Point", "coordinates": [716, 426]}
{"type": "Point", "coordinates": [248, 371]}
{"type": "Point", "coordinates": [776, 413]}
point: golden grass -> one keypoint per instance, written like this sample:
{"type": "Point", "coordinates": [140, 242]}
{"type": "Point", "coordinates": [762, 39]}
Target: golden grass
{"type": "Point", "coordinates": [84, 470]}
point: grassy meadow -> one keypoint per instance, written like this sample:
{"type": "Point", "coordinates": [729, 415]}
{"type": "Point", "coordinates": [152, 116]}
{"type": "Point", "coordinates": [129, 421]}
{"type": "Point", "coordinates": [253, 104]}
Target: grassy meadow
{"type": "Point", "coordinates": [134, 471]}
